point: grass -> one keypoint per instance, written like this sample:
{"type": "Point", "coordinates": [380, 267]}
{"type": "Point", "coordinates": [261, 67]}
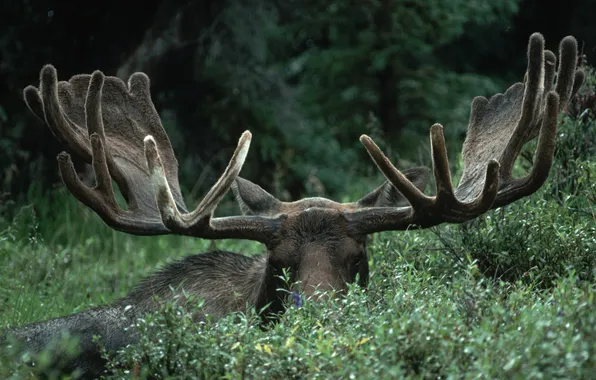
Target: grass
{"type": "Point", "coordinates": [511, 295]}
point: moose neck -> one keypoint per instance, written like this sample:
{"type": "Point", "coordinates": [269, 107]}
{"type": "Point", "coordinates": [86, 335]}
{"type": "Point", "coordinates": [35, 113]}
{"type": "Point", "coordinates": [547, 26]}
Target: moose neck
{"type": "Point", "coordinates": [227, 282]}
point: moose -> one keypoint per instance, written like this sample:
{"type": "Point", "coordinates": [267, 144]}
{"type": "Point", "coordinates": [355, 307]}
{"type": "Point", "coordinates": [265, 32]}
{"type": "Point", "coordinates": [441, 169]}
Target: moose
{"type": "Point", "coordinates": [320, 243]}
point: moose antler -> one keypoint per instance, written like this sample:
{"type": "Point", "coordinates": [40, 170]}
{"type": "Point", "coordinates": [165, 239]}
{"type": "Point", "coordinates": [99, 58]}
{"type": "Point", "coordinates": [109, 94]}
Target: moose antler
{"type": "Point", "coordinates": [497, 130]}
{"type": "Point", "coordinates": [116, 128]}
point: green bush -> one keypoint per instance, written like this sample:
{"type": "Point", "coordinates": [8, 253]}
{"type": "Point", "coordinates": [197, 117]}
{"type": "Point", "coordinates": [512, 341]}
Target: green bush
{"type": "Point", "coordinates": [535, 241]}
{"type": "Point", "coordinates": [425, 329]}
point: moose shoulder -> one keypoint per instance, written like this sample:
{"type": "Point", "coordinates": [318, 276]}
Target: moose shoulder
{"type": "Point", "coordinates": [321, 243]}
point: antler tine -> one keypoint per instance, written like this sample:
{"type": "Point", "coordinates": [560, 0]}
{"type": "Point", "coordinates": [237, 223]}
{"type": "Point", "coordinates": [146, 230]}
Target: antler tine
{"type": "Point", "coordinates": [97, 137]}
{"type": "Point", "coordinates": [440, 161]}
{"type": "Point", "coordinates": [546, 142]}
{"type": "Point", "coordinates": [200, 222]}
{"type": "Point", "coordinates": [550, 68]}
{"type": "Point", "coordinates": [102, 204]}
{"type": "Point", "coordinates": [416, 197]}
{"type": "Point", "coordinates": [93, 105]}
{"type": "Point", "coordinates": [44, 104]}
{"type": "Point", "coordinates": [453, 209]}
{"type": "Point", "coordinates": [566, 74]}
{"type": "Point", "coordinates": [533, 90]}
{"type": "Point", "coordinates": [171, 216]}
{"type": "Point", "coordinates": [224, 183]}
{"type": "Point", "coordinates": [33, 101]}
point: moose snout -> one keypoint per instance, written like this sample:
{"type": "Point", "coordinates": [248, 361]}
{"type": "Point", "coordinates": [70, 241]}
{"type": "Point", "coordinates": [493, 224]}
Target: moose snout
{"type": "Point", "coordinates": [318, 286]}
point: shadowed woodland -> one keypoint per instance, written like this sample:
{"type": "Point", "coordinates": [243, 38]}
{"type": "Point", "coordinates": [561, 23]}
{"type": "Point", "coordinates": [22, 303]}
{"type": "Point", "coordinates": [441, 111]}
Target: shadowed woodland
{"type": "Point", "coordinates": [306, 78]}
{"type": "Point", "coordinates": [508, 293]}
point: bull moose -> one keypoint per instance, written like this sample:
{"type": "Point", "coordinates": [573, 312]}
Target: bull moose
{"type": "Point", "coordinates": [320, 243]}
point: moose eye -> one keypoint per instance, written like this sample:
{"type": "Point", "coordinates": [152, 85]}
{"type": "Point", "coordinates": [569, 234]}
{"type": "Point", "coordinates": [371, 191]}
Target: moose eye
{"type": "Point", "coordinates": [357, 262]}
{"type": "Point", "coordinates": [355, 266]}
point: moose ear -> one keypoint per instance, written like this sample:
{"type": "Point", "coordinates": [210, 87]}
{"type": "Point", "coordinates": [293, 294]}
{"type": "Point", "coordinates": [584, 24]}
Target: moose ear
{"type": "Point", "coordinates": [388, 196]}
{"type": "Point", "coordinates": [253, 200]}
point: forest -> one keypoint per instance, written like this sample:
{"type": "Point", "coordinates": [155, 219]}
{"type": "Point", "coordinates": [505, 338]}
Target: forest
{"type": "Point", "coordinates": [510, 294]}
{"type": "Point", "coordinates": [306, 78]}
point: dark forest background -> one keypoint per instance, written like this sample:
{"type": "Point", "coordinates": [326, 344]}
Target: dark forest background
{"type": "Point", "coordinates": [306, 77]}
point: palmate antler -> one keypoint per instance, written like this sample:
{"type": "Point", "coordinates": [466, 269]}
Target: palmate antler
{"type": "Point", "coordinates": [497, 131]}
{"type": "Point", "coordinates": [115, 127]}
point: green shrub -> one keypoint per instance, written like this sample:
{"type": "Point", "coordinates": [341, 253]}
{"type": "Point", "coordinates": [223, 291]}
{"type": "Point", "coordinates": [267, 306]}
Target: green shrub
{"type": "Point", "coordinates": [424, 329]}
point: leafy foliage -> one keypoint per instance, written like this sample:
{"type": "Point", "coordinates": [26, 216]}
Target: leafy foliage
{"type": "Point", "coordinates": [425, 329]}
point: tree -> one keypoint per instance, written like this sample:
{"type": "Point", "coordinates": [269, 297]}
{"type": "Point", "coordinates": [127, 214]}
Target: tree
{"type": "Point", "coordinates": [385, 56]}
